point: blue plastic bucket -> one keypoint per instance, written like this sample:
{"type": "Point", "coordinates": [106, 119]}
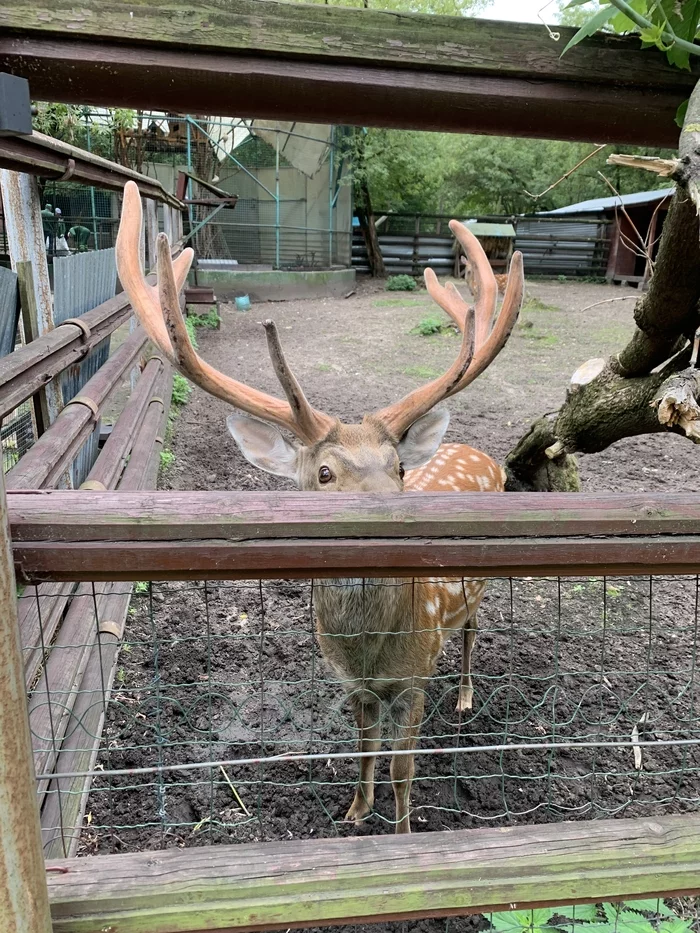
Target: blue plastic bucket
{"type": "Point", "coordinates": [242, 303]}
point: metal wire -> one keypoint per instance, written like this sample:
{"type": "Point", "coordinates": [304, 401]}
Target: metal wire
{"type": "Point", "coordinates": [225, 723]}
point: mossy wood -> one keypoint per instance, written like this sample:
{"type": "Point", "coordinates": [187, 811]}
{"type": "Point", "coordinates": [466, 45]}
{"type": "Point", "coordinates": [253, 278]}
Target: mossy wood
{"type": "Point", "coordinates": [205, 535]}
{"type": "Point", "coordinates": [333, 64]}
{"type": "Point", "coordinates": [268, 886]}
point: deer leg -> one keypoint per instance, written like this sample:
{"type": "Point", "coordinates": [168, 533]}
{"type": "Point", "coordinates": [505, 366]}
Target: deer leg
{"type": "Point", "coordinates": [402, 766]}
{"type": "Point", "coordinates": [368, 723]}
{"type": "Point", "coordinates": [466, 691]}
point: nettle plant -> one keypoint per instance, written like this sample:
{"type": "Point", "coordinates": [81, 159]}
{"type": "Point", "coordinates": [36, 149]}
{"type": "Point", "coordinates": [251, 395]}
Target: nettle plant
{"type": "Point", "coordinates": [645, 916]}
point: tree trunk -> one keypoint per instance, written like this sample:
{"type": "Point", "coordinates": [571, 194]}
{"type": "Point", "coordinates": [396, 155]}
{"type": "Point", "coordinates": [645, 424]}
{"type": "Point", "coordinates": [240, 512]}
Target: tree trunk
{"type": "Point", "coordinates": [646, 387]}
{"type": "Point", "coordinates": [363, 206]}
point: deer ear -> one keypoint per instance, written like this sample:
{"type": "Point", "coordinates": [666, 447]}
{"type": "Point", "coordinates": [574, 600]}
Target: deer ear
{"type": "Point", "coordinates": [423, 438]}
{"type": "Point", "coordinates": [263, 445]}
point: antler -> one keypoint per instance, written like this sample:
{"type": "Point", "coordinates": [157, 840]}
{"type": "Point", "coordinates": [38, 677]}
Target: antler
{"type": "Point", "coordinates": [158, 309]}
{"type": "Point", "coordinates": [482, 329]}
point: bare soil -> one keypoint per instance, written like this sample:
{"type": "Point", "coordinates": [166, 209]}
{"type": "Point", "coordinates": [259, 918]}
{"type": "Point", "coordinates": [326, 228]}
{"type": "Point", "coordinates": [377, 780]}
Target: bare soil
{"type": "Point", "coordinates": [231, 671]}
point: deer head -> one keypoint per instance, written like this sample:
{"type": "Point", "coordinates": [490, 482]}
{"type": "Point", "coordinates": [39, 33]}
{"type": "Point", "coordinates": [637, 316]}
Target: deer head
{"type": "Point", "coordinates": [325, 454]}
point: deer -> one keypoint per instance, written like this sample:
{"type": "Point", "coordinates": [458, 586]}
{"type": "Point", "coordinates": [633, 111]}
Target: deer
{"type": "Point", "coordinates": [383, 638]}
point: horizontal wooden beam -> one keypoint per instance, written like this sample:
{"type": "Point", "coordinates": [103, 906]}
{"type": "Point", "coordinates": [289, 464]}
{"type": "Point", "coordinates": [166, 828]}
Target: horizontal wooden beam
{"type": "Point", "coordinates": [73, 535]}
{"type": "Point", "coordinates": [282, 885]}
{"type": "Point", "coordinates": [329, 64]}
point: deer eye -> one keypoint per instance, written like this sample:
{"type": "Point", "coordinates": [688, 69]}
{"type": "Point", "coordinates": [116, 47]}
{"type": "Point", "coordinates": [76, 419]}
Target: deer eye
{"type": "Point", "coordinates": [324, 475]}
{"type": "Point", "coordinates": [402, 472]}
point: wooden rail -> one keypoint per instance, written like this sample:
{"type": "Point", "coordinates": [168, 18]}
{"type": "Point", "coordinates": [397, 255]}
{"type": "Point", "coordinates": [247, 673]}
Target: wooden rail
{"type": "Point", "coordinates": [331, 64]}
{"type": "Point", "coordinates": [268, 886]}
{"type": "Point", "coordinates": [74, 535]}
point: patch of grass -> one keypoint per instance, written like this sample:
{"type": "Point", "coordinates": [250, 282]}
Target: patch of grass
{"type": "Point", "coordinates": [210, 320]}
{"type": "Point", "coordinates": [167, 458]}
{"type": "Point", "coordinates": [141, 587]}
{"type": "Point", "coordinates": [394, 302]}
{"type": "Point", "coordinates": [324, 367]}
{"type": "Point", "coordinates": [400, 283]}
{"type": "Point", "coordinates": [431, 325]}
{"type": "Point", "coordinates": [527, 329]}
{"type": "Point", "coordinates": [422, 372]}
{"type": "Point", "coordinates": [191, 331]}
{"type": "Point", "coordinates": [181, 391]}
{"type": "Point", "coordinates": [536, 304]}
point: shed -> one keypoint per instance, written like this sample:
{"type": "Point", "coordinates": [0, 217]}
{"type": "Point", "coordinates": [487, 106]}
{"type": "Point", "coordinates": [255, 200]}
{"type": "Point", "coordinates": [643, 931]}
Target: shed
{"type": "Point", "coordinates": [630, 217]}
{"type": "Point", "coordinates": [497, 240]}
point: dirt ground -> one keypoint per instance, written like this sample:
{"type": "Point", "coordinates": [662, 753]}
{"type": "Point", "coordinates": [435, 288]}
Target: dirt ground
{"type": "Point", "coordinates": [231, 671]}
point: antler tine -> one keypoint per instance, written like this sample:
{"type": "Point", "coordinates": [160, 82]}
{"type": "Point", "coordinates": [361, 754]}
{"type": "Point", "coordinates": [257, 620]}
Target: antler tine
{"type": "Point", "coordinates": [485, 300]}
{"type": "Point", "coordinates": [401, 415]}
{"type": "Point", "coordinates": [476, 326]}
{"type": "Point", "coordinates": [503, 325]}
{"type": "Point", "coordinates": [304, 414]}
{"type": "Point", "coordinates": [161, 317]}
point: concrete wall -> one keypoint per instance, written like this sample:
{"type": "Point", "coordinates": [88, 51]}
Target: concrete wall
{"type": "Point", "coordinates": [278, 285]}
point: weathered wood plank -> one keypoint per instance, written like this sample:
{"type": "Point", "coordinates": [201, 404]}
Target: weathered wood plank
{"type": "Point", "coordinates": [267, 886]}
{"type": "Point", "coordinates": [308, 31]}
{"type": "Point", "coordinates": [111, 75]}
{"type": "Point", "coordinates": [304, 558]}
{"type": "Point", "coordinates": [180, 516]}
{"type": "Point", "coordinates": [23, 894]}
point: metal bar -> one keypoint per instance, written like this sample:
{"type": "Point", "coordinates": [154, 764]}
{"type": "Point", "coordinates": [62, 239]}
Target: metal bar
{"type": "Point", "coordinates": [231, 157]}
{"type": "Point", "coordinates": [51, 158]}
{"type": "Point", "coordinates": [277, 200]}
{"type": "Point", "coordinates": [24, 903]}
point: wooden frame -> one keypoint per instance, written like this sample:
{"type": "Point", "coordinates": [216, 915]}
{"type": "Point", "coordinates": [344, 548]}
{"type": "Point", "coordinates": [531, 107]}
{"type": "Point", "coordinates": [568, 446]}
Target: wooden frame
{"type": "Point", "coordinates": [328, 64]}
{"type": "Point", "coordinates": [318, 882]}
{"type": "Point", "coordinates": [207, 535]}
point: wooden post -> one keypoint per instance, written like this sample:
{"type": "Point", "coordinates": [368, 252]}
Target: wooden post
{"type": "Point", "coordinates": [27, 298]}
{"type": "Point", "coordinates": [24, 903]}
{"type": "Point", "coordinates": [25, 240]}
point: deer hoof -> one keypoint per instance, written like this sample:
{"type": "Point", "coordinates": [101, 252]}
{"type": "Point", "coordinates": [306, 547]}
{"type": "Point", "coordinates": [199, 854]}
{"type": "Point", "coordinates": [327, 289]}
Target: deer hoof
{"type": "Point", "coordinates": [358, 812]}
{"type": "Point", "coordinates": [465, 699]}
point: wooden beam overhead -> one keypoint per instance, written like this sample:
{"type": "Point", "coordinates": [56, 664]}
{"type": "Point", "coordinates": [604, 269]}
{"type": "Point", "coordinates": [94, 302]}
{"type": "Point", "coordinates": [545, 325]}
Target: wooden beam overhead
{"type": "Point", "coordinates": [338, 65]}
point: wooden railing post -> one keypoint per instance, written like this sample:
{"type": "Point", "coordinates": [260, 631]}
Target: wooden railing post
{"type": "Point", "coordinates": [24, 902]}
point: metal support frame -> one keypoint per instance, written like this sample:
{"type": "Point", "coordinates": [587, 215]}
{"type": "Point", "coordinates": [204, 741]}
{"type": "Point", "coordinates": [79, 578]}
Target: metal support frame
{"type": "Point", "coordinates": [24, 900]}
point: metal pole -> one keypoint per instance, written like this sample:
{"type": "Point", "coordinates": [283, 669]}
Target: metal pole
{"type": "Point", "coordinates": [92, 190]}
{"type": "Point", "coordinates": [24, 898]}
{"type": "Point", "coordinates": [330, 205]}
{"type": "Point", "coordinates": [190, 210]}
{"type": "Point", "coordinates": [277, 200]}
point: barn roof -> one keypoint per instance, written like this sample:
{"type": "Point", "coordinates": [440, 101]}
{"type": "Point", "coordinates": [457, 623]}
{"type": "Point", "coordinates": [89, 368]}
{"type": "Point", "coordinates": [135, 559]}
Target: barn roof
{"type": "Point", "coordinates": [598, 205]}
{"type": "Point", "coordinates": [486, 229]}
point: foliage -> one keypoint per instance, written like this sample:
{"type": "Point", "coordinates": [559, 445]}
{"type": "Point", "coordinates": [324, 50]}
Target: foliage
{"type": "Point", "coordinates": [181, 390]}
{"type": "Point", "coordinates": [400, 283]}
{"type": "Point", "coordinates": [210, 320]}
{"type": "Point", "coordinates": [73, 124]}
{"type": "Point", "coordinates": [141, 587]}
{"type": "Point", "coordinates": [430, 325]}
{"type": "Point", "coordinates": [668, 25]}
{"type": "Point", "coordinates": [630, 917]}
{"type": "Point", "coordinates": [191, 332]}
{"type": "Point", "coordinates": [167, 458]}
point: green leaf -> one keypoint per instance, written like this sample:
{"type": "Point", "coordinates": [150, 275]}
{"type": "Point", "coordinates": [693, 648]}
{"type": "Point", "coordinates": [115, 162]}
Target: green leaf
{"type": "Point", "coordinates": [578, 912]}
{"type": "Point", "coordinates": [505, 922]}
{"type": "Point", "coordinates": [681, 112]}
{"type": "Point", "coordinates": [576, 3]}
{"type": "Point", "coordinates": [677, 925]}
{"type": "Point", "coordinates": [593, 25]}
{"type": "Point", "coordinates": [678, 57]}
{"type": "Point", "coordinates": [652, 905]}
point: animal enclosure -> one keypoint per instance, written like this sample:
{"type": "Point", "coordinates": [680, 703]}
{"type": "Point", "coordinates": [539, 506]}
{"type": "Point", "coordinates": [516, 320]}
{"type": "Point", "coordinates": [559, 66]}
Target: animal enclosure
{"type": "Point", "coordinates": [566, 672]}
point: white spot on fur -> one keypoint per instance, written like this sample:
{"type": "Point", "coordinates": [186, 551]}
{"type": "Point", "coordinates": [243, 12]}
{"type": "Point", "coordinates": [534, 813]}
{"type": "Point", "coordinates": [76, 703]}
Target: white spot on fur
{"type": "Point", "coordinates": [474, 458]}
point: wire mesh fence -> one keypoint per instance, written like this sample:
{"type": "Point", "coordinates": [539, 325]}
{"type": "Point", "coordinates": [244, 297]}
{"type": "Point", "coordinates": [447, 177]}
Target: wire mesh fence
{"type": "Point", "coordinates": [225, 724]}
